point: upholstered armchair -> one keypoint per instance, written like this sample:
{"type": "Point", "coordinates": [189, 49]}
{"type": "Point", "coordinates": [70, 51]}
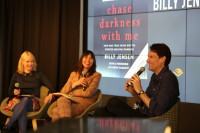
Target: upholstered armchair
{"type": "Point", "coordinates": [34, 116]}
{"type": "Point", "coordinates": [172, 115]}
{"type": "Point", "coordinates": [95, 105]}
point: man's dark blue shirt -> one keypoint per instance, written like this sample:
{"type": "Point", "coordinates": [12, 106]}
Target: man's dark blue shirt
{"type": "Point", "coordinates": [163, 90]}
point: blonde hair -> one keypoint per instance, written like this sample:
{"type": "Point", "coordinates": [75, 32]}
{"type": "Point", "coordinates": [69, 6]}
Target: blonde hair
{"type": "Point", "coordinates": [25, 54]}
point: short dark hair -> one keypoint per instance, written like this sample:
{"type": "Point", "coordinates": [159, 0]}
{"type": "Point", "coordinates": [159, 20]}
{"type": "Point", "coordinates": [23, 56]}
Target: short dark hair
{"type": "Point", "coordinates": [79, 68]}
{"type": "Point", "coordinates": [162, 50]}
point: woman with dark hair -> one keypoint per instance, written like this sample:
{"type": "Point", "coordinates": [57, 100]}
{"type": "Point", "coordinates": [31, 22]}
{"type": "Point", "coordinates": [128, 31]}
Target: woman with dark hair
{"type": "Point", "coordinates": [82, 85]}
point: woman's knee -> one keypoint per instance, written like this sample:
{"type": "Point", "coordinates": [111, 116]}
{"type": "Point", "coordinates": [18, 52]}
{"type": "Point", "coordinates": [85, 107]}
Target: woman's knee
{"type": "Point", "coordinates": [63, 100]}
{"type": "Point", "coordinates": [114, 101]}
{"type": "Point", "coordinates": [54, 111]}
{"type": "Point", "coordinates": [26, 100]}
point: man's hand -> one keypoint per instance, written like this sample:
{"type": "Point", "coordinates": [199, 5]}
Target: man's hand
{"type": "Point", "coordinates": [129, 88]}
{"type": "Point", "coordinates": [136, 83]}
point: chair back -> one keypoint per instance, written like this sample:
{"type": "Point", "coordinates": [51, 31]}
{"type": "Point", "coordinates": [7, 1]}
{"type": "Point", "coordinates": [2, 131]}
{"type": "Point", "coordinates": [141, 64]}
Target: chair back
{"type": "Point", "coordinates": [4, 104]}
{"type": "Point", "coordinates": [172, 115]}
{"type": "Point", "coordinates": [96, 104]}
{"type": "Point", "coordinates": [93, 106]}
{"type": "Point", "coordinates": [43, 93]}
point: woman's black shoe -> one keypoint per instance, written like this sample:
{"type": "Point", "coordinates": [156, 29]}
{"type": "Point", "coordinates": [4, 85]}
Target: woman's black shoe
{"type": "Point", "coordinates": [5, 129]}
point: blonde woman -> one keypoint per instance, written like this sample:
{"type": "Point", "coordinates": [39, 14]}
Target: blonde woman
{"type": "Point", "coordinates": [26, 81]}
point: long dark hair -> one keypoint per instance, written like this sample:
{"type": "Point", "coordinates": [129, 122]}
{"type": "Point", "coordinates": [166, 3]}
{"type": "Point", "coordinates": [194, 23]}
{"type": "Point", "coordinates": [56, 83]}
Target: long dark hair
{"type": "Point", "coordinates": [92, 69]}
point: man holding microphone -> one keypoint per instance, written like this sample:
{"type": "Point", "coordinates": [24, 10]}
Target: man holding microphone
{"type": "Point", "coordinates": [160, 95]}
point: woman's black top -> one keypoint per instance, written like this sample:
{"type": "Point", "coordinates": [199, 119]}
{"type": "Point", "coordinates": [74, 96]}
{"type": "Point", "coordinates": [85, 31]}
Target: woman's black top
{"type": "Point", "coordinates": [29, 84]}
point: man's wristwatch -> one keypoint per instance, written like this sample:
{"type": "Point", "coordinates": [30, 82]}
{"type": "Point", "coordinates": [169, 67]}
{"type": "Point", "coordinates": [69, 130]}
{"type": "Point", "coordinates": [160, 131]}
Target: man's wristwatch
{"type": "Point", "coordinates": [141, 92]}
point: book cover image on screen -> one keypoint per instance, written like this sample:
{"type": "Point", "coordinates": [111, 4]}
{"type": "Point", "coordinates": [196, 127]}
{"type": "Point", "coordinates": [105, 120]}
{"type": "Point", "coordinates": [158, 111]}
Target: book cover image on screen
{"type": "Point", "coordinates": [120, 33]}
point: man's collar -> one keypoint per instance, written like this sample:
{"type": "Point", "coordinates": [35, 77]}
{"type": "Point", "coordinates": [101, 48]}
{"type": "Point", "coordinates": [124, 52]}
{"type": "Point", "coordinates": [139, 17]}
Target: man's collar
{"type": "Point", "coordinates": [162, 71]}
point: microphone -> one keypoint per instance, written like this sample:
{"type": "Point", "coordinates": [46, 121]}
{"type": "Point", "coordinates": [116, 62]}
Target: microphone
{"type": "Point", "coordinates": [84, 75]}
{"type": "Point", "coordinates": [17, 85]}
{"type": "Point", "coordinates": [142, 69]}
